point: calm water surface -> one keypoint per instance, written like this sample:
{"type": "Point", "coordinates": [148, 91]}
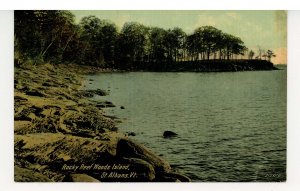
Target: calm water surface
{"type": "Point", "coordinates": [231, 126]}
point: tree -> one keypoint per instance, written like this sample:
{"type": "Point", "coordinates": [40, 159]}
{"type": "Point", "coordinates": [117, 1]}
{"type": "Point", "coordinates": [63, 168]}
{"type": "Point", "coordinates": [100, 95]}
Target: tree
{"type": "Point", "coordinates": [238, 47]}
{"type": "Point", "coordinates": [178, 39]}
{"type": "Point", "coordinates": [74, 47]}
{"type": "Point", "coordinates": [169, 43]}
{"type": "Point", "coordinates": [43, 35]}
{"type": "Point", "coordinates": [109, 36]}
{"type": "Point", "coordinates": [193, 46]}
{"type": "Point", "coordinates": [132, 43]}
{"type": "Point", "coordinates": [270, 54]}
{"type": "Point", "coordinates": [210, 37]}
{"type": "Point", "coordinates": [68, 30]}
{"type": "Point", "coordinates": [234, 46]}
{"type": "Point", "coordinates": [221, 45]}
{"type": "Point", "coordinates": [157, 46]}
{"type": "Point", "coordinates": [251, 54]}
{"type": "Point", "coordinates": [53, 36]}
{"type": "Point", "coordinates": [99, 38]}
{"type": "Point", "coordinates": [260, 52]}
{"type": "Point", "coordinates": [208, 40]}
{"type": "Point", "coordinates": [27, 35]}
{"type": "Point", "coordinates": [263, 54]}
{"type": "Point", "coordinates": [92, 35]}
{"type": "Point", "coordinates": [196, 45]}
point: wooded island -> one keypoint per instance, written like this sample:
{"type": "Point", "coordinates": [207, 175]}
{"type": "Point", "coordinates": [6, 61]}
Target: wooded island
{"type": "Point", "coordinates": [53, 36]}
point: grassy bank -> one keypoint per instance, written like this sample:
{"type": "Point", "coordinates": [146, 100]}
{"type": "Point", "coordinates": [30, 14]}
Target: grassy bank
{"type": "Point", "coordinates": [62, 135]}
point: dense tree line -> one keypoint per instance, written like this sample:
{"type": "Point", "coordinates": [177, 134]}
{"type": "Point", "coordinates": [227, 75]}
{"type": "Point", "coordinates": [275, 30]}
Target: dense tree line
{"type": "Point", "coordinates": [53, 36]}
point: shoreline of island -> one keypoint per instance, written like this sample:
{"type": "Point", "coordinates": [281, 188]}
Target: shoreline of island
{"type": "Point", "coordinates": [56, 124]}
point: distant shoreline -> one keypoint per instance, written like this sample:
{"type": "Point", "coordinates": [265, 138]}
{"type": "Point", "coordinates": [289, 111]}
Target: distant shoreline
{"type": "Point", "coordinates": [191, 66]}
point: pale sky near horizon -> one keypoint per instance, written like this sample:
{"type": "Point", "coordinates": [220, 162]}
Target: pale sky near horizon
{"type": "Point", "coordinates": [267, 29]}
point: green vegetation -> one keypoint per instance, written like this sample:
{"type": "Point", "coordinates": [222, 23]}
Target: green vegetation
{"type": "Point", "coordinates": [53, 36]}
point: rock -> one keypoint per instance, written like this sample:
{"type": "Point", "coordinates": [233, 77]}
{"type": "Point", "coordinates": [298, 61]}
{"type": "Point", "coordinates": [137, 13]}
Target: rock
{"type": "Point", "coordinates": [105, 104]}
{"type": "Point", "coordinates": [89, 120]}
{"type": "Point", "coordinates": [145, 171]}
{"type": "Point", "coordinates": [37, 111]}
{"type": "Point", "coordinates": [163, 178]}
{"type": "Point", "coordinates": [24, 114]}
{"type": "Point", "coordinates": [131, 134]}
{"type": "Point", "coordinates": [91, 93]}
{"type": "Point", "coordinates": [27, 175]}
{"type": "Point", "coordinates": [79, 178]}
{"type": "Point", "coordinates": [129, 149]}
{"type": "Point", "coordinates": [34, 93]}
{"type": "Point", "coordinates": [168, 134]}
{"type": "Point", "coordinates": [100, 92]}
{"type": "Point", "coordinates": [122, 107]}
{"type": "Point", "coordinates": [84, 93]}
{"type": "Point", "coordinates": [46, 84]}
{"type": "Point", "coordinates": [173, 177]}
{"type": "Point", "coordinates": [22, 117]}
{"type": "Point", "coordinates": [19, 98]}
{"type": "Point", "coordinates": [43, 148]}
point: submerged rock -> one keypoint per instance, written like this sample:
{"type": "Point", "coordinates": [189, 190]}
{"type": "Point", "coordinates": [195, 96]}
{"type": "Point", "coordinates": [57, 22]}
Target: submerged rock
{"type": "Point", "coordinates": [168, 134]}
{"type": "Point", "coordinates": [100, 92]}
{"type": "Point", "coordinates": [105, 104]}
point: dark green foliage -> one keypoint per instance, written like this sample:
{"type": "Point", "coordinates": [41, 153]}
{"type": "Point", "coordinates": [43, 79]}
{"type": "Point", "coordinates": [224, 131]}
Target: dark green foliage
{"type": "Point", "coordinates": [208, 41]}
{"type": "Point", "coordinates": [53, 36]}
{"type": "Point", "coordinates": [98, 39]}
{"type": "Point", "coordinates": [43, 35]}
{"type": "Point", "coordinates": [132, 44]}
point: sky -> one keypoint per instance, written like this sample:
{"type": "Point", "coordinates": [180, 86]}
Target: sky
{"type": "Point", "coordinates": [264, 29]}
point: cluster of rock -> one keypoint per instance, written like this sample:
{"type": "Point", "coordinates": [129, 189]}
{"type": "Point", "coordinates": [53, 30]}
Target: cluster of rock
{"type": "Point", "coordinates": [55, 125]}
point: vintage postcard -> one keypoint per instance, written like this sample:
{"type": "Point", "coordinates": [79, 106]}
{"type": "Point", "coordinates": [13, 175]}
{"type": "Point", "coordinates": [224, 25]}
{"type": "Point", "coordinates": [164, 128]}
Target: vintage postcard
{"type": "Point", "coordinates": [150, 96]}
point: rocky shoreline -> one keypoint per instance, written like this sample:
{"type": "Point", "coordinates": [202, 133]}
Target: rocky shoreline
{"type": "Point", "coordinates": [62, 136]}
{"type": "Point", "coordinates": [213, 65]}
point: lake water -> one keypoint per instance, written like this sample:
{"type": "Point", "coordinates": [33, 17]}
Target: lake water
{"type": "Point", "coordinates": [231, 126]}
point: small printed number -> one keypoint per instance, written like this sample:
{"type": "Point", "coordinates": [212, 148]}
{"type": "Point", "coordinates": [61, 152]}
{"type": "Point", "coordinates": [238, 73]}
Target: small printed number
{"type": "Point", "coordinates": [274, 175]}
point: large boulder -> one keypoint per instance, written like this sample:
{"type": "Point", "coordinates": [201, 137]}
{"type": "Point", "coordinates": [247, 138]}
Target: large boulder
{"type": "Point", "coordinates": [129, 149]}
{"type": "Point", "coordinates": [144, 170]}
{"type": "Point", "coordinates": [168, 134]}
